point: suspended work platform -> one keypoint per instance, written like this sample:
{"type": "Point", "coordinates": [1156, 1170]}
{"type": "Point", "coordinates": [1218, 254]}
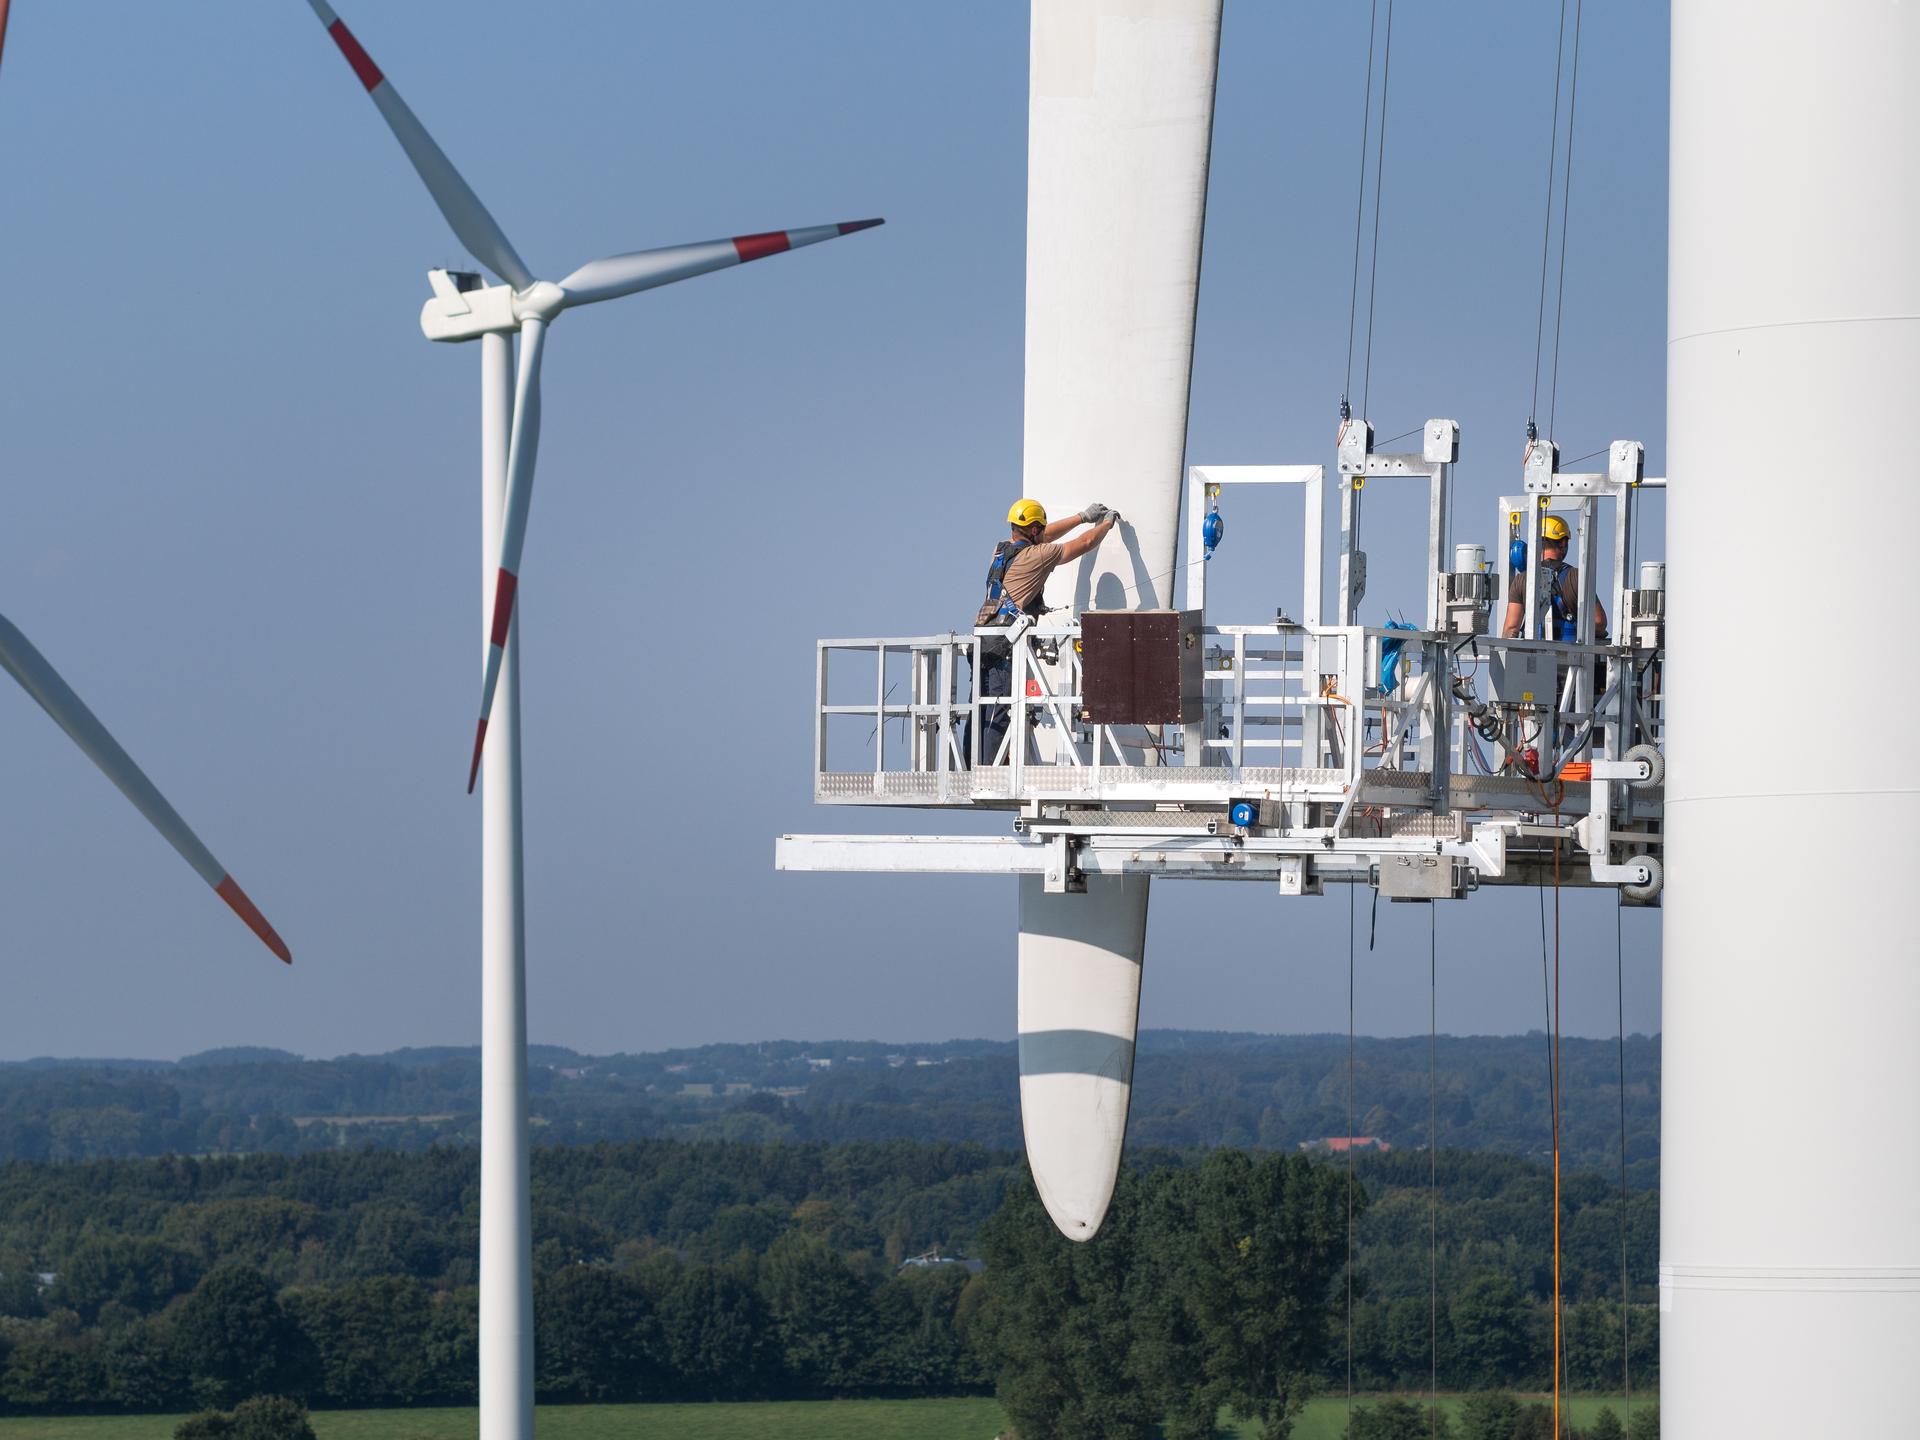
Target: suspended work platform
{"type": "Point", "coordinates": [1426, 761]}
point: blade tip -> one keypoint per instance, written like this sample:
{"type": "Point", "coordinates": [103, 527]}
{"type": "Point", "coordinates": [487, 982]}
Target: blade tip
{"type": "Point", "coordinates": [848, 227]}
{"type": "Point", "coordinates": [479, 743]}
{"type": "Point", "coordinates": [229, 890]}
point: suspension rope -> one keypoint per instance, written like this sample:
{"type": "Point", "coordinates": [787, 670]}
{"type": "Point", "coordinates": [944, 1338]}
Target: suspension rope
{"type": "Point", "coordinates": [1546, 985]}
{"type": "Point", "coordinates": [1566, 192]}
{"type": "Point", "coordinates": [1360, 200]}
{"type": "Point", "coordinates": [1546, 227]}
{"type": "Point", "coordinates": [1379, 161]}
{"type": "Point", "coordinates": [1558, 1354]}
{"type": "Point", "coordinates": [1349, 1157]}
{"type": "Point", "coordinates": [1620, 1004]}
{"type": "Point", "coordinates": [1433, 1173]}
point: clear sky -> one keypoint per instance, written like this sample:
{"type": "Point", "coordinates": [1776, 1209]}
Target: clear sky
{"type": "Point", "coordinates": [242, 509]}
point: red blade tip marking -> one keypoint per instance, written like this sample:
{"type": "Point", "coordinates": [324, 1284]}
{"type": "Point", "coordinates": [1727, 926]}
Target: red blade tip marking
{"type": "Point", "coordinates": [479, 743]}
{"type": "Point", "coordinates": [228, 891]}
{"type": "Point", "coordinates": [847, 227]}
{"type": "Point", "coordinates": [757, 247]}
{"type": "Point", "coordinates": [503, 592]}
{"type": "Point", "coordinates": [357, 57]}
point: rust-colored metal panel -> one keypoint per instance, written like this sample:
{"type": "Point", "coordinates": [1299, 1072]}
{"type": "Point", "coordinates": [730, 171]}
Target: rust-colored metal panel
{"type": "Point", "coordinates": [1136, 668]}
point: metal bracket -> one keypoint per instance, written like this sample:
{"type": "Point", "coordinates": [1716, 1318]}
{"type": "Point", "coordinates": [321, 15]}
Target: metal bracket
{"type": "Point", "coordinates": [1628, 770]}
{"type": "Point", "coordinates": [1298, 877]}
{"type": "Point", "coordinates": [1062, 876]}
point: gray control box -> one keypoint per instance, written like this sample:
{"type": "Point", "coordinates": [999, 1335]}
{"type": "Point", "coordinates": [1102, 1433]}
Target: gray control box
{"type": "Point", "coordinates": [1521, 677]}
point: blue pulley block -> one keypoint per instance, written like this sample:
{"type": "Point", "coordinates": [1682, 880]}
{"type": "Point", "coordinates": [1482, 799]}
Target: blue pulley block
{"type": "Point", "coordinates": [1244, 813]}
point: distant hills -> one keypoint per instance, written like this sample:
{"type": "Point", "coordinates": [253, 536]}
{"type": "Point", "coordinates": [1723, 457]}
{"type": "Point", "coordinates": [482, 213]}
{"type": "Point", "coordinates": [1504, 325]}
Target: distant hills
{"type": "Point", "coordinates": [1193, 1089]}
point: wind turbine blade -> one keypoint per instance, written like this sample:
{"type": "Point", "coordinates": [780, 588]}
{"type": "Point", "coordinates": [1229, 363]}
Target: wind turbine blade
{"type": "Point", "coordinates": [40, 680]}
{"type": "Point", "coordinates": [1119, 121]}
{"type": "Point", "coordinates": [522, 450]}
{"type": "Point", "coordinates": [3, 27]}
{"type": "Point", "coordinates": [1079, 1014]}
{"type": "Point", "coordinates": [476, 229]}
{"type": "Point", "coordinates": [619, 275]}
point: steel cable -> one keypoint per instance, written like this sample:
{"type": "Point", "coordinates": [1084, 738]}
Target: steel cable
{"type": "Point", "coordinates": [1566, 192]}
{"type": "Point", "coordinates": [1546, 228]}
{"type": "Point", "coordinates": [1349, 1157]}
{"type": "Point", "coordinates": [1379, 161]}
{"type": "Point", "coordinates": [1433, 1172]}
{"type": "Point", "coordinates": [1360, 198]}
{"type": "Point", "coordinates": [1620, 1003]}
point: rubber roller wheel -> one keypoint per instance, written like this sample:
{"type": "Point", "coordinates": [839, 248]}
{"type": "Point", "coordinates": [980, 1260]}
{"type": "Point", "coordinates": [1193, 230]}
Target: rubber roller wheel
{"type": "Point", "coordinates": [1655, 882]}
{"type": "Point", "coordinates": [1656, 766]}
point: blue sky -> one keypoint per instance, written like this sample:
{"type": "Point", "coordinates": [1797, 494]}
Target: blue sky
{"type": "Point", "coordinates": [243, 517]}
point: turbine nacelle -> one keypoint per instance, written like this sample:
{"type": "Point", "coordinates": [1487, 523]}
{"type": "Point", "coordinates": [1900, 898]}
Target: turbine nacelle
{"type": "Point", "coordinates": [466, 311]}
{"type": "Point", "coordinates": [458, 313]}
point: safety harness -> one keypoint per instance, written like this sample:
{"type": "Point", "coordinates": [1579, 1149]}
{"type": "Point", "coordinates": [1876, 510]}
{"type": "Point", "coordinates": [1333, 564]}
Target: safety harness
{"type": "Point", "coordinates": [998, 608]}
{"type": "Point", "coordinates": [1565, 627]}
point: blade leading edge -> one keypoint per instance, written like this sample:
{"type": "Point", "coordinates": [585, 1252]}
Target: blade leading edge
{"type": "Point", "coordinates": [474, 227]}
{"type": "Point", "coordinates": [40, 680]}
{"type": "Point", "coordinates": [618, 275]}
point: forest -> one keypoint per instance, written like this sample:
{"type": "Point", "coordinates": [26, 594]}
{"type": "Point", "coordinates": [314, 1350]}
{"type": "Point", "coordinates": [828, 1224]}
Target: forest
{"type": "Point", "coordinates": [712, 1269]}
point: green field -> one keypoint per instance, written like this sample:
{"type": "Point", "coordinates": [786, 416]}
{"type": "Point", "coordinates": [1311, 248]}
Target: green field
{"type": "Point", "coordinates": [964, 1419]}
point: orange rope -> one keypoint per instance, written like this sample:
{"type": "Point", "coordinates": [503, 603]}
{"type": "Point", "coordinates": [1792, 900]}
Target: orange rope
{"type": "Point", "coordinates": [1557, 1431]}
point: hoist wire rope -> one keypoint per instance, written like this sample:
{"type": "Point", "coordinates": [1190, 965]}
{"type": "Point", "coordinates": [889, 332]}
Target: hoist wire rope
{"type": "Point", "coordinates": [1379, 162]}
{"type": "Point", "coordinates": [1360, 197]}
{"type": "Point", "coordinates": [1566, 194]}
{"type": "Point", "coordinates": [1620, 1005]}
{"type": "Point", "coordinates": [1349, 1148]}
{"type": "Point", "coordinates": [1546, 985]}
{"type": "Point", "coordinates": [1433, 1171]}
{"type": "Point", "coordinates": [1546, 228]}
{"type": "Point", "coordinates": [1558, 1354]}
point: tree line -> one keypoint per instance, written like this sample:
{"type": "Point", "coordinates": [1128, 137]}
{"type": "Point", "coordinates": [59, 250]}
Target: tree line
{"type": "Point", "coordinates": [1193, 1090]}
{"type": "Point", "coordinates": [707, 1270]}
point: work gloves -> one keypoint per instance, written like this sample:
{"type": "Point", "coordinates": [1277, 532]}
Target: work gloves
{"type": "Point", "coordinates": [1095, 513]}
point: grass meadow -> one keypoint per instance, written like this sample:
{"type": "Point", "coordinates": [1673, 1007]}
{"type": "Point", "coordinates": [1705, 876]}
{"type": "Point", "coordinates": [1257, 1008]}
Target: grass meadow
{"type": "Point", "coordinates": [957, 1419]}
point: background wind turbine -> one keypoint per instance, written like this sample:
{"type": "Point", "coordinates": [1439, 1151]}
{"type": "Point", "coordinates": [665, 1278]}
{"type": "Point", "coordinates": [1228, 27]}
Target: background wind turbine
{"type": "Point", "coordinates": [532, 306]}
{"type": "Point", "coordinates": [510, 436]}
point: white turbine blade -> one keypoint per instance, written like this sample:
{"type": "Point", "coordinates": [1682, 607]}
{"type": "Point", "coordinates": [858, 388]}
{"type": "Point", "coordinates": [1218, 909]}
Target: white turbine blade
{"type": "Point", "coordinates": [1120, 116]}
{"type": "Point", "coordinates": [1120, 119]}
{"type": "Point", "coordinates": [40, 680]}
{"type": "Point", "coordinates": [522, 450]}
{"type": "Point", "coordinates": [1079, 1011]}
{"type": "Point", "coordinates": [619, 275]}
{"type": "Point", "coordinates": [476, 229]}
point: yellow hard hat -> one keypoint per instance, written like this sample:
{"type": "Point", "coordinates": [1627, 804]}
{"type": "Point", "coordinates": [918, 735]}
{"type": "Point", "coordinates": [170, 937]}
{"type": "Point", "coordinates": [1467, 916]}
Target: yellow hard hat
{"type": "Point", "coordinates": [1032, 512]}
{"type": "Point", "coordinates": [1554, 528]}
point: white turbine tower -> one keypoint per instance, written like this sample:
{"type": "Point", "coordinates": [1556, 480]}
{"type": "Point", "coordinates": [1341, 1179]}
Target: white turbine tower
{"type": "Point", "coordinates": [38, 678]}
{"type": "Point", "coordinates": [1119, 125]}
{"type": "Point", "coordinates": [509, 439]}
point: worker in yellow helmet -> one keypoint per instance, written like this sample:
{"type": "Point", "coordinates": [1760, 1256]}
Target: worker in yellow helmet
{"type": "Point", "coordinates": [1016, 581]}
{"type": "Point", "coordinates": [1559, 590]}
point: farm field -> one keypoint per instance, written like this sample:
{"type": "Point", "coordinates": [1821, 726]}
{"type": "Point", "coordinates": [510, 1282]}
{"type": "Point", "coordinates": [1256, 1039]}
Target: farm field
{"type": "Point", "coordinates": [951, 1419]}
